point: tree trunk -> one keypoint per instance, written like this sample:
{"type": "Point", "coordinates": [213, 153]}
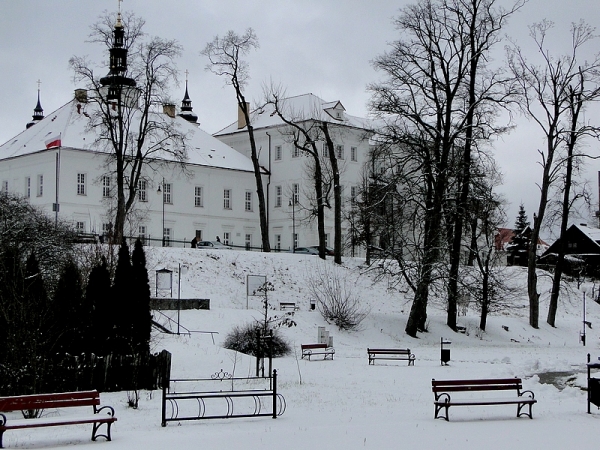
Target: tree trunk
{"type": "Point", "coordinates": [260, 192]}
{"type": "Point", "coordinates": [575, 107]}
{"type": "Point", "coordinates": [337, 195]}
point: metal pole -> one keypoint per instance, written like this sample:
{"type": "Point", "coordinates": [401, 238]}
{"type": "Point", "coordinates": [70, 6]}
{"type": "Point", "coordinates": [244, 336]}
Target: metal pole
{"type": "Point", "coordinates": [294, 223]}
{"type": "Point", "coordinates": [163, 211]}
{"type": "Point", "coordinates": [583, 333]}
{"type": "Point", "coordinates": [178, 298]}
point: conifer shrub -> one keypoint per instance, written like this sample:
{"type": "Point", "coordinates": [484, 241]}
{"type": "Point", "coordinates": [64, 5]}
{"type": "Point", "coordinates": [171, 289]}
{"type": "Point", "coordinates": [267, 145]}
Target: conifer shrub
{"type": "Point", "coordinates": [243, 339]}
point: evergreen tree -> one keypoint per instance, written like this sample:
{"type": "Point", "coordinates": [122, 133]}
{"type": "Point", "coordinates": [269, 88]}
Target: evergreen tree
{"type": "Point", "coordinates": [122, 294]}
{"type": "Point", "coordinates": [142, 318]}
{"type": "Point", "coordinates": [518, 248]}
{"type": "Point", "coordinates": [72, 316]}
{"type": "Point", "coordinates": [98, 296]}
{"type": "Point", "coordinates": [521, 223]}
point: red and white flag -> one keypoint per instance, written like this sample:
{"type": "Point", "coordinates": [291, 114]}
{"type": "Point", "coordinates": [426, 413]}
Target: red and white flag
{"type": "Point", "coordinates": [53, 141]}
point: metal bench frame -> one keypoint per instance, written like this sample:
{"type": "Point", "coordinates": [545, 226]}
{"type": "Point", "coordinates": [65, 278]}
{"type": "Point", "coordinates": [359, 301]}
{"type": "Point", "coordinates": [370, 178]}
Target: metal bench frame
{"type": "Point", "coordinates": [57, 400]}
{"type": "Point", "coordinates": [309, 350]}
{"type": "Point", "coordinates": [443, 400]}
{"type": "Point", "coordinates": [393, 354]}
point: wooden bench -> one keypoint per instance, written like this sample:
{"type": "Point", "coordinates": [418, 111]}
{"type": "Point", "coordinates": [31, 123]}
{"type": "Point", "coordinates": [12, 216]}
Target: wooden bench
{"type": "Point", "coordinates": [288, 305]}
{"type": "Point", "coordinates": [309, 350]}
{"type": "Point", "coordinates": [443, 400]}
{"type": "Point", "coordinates": [100, 415]}
{"type": "Point", "coordinates": [399, 354]}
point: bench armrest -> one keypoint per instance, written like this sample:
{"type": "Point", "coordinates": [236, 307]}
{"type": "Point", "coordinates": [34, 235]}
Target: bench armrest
{"type": "Point", "coordinates": [110, 410]}
{"type": "Point", "coordinates": [529, 394]}
{"type": "Point", "coordinates": [2, 419]}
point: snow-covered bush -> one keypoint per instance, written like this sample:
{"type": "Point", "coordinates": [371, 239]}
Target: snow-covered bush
{"type": "Point", "coordinates": [244, 339]}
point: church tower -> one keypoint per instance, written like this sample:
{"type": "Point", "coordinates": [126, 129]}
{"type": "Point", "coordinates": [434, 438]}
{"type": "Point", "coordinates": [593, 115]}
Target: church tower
{"type": "Point", "coordinates": [186, 106]}
{"type": "Point", "coordinates": [116, 84]}
{"type": "Point", "coordinates": [38, 111]}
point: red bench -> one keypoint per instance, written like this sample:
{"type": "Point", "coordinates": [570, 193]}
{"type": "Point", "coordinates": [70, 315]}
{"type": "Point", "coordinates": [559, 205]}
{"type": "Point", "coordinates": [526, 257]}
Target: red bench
{"type": "Point", "coordinates": [443, 400]}
{"type": "Point", "coordinates": [400, 354]}
{"type": "Point", "coordinates": [309, 350]}
{"type": "Point", "coordinates": [101, 415]}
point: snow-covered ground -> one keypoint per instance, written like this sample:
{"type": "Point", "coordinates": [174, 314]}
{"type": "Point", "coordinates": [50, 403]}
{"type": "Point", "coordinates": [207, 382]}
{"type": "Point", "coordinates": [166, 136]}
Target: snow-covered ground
{"type": "Point", "coordinates": [345, 403]}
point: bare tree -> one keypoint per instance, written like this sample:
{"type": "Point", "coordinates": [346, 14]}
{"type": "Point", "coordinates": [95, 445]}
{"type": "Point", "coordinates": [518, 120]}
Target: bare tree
{"type": "Point", "coordinates": [225, 55]}
{"type": "Point", "coordinates": [124, 112]}
{"type": "Point", "coordinates": [552, 94]}
{"type": "Point", "coordinates": [436, 102]}
{"type": "Point", "coordinates": [304, 134]}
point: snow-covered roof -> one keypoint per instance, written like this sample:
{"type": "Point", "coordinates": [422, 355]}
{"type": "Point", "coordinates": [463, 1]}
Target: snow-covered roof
{"type": "Point", "coordinates": [69, 122]}
{"type": "Point", "coordinates": [592, 233]}
{"type": "Point", "coordinates": [301, 107]}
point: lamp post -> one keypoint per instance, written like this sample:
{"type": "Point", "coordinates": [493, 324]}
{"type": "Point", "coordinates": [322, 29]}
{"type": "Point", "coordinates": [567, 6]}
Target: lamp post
{"type": "Point", "coordinates": [182, 271]}
{"type": "Point", "coordinates": [160, 191]}
{"type": "Point", "coordinates": [292, 203]}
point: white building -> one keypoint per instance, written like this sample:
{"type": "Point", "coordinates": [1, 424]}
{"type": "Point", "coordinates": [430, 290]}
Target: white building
{"type": "Point", "coordinates": [288, 172]}
{"type": "Point", "coordinates": [55, 165]}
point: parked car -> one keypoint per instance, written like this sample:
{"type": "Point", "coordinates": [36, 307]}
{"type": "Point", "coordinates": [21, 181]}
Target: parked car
{"type": "Point", "coordinates": [213, 245]}
{"type": "Point", "coordinates": [305, 251]}
{"type": "Point", "coordinates": [328, 250]}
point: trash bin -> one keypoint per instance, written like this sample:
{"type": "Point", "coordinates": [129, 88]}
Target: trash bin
{"type": "Point", "coordinates": [445, 352]}
{"type": "Point", "coordinates": [445, 355]}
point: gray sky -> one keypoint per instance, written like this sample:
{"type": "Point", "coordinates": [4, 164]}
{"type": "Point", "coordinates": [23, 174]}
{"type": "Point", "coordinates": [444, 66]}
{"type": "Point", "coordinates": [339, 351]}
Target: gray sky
{"type": "Point", "coordinates": [319, 46]}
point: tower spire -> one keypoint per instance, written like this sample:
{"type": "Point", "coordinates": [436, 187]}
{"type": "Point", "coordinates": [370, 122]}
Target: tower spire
{"type": "Point", "coordinates": [186, 105]}
{"type": "Point", "coordinates": [38, 111]}
{"type": "Point", "coordinates": [116, 80]}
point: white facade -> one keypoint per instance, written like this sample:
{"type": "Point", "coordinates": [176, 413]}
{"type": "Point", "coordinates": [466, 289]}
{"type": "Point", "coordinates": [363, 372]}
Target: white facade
{"type": "Point", "coordinates": [288, 168]}
{"type": "Point", "coordinates": [212, 194]}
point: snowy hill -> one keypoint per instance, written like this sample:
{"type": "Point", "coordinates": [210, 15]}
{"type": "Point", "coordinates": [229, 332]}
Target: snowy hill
{"type": "Point", "coordinates": [345, 403]}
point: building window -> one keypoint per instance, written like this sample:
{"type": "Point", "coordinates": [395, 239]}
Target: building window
{"type": "Point", "coordinates": [40, 185]}
{"type": "Point", "coordinates": [142, 191]}
{"type": "Point", "coordinates": [325, 150]}
{"type": "Point", "coordinates": [199, 235]}
{"type": "Point", "coordinates": [227, 199]}
{"type": "Point", "coordinates": [105, 186]}
{"type": "Point", "coordinates": [5, 186]}
{"type": "Point", "coordinates": [353, 194]}
{"type": "Point", "coordinates": [353, 154]}
{"type": "Point", "coordinates": [81, 184]}
{"type": "Point", "coordinates": [198, 200]}
{"type": "Point", "coordinates": [248, 241]}
{"type": "Point", "coordinates": [226, 237]}
{"type": "Point", "coordinates": [277, 242]}
{"type": "Point", "coordinates": [168, 193]}
{"type": "Point", "coordinates": [339, 151]}
{"type": "Point", "coordinates": [248, 201]}
{"type": "Point", "coordinates": [296, 193]}
{"type": "Point", "coordinates": [167, 236]}
{"type": "Point", "coordinates": [28, 187]}
{"type": "Point", "coordinates": [142, 233]}
{"type": "Point", "coordinates": [326, 239]}
{"type": "Point", "coordinates": [80, 227]}
{"type": "Point", "coordinates": [278, 153]}
{"type": "Point", "coordinates": [295, 152]}
{"type": "Point", "coordinates": [278, 194]}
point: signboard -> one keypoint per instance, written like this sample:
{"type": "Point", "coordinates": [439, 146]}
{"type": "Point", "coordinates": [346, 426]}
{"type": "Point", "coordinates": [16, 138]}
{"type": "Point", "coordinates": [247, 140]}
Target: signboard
{"type": "Point", "coordinates": [164, 281]}
{"type": "Point", "coordinates": [253, 283]}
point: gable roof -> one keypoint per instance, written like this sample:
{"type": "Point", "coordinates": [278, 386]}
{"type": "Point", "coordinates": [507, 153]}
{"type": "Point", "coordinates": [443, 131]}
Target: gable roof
{"type": "Point", "coordinates": [306, 106]}
{"type": "Point", "coordinates": [590, 235]}
{"type": "Point", "coordinates": [70, 123]}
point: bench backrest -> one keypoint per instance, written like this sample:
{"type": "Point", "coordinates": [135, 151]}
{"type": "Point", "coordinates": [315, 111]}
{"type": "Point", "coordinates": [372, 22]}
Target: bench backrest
{"type": "Point", "coordinates": [476, 385]}
{"type": "Point", "coordinates": [390, 351]}
{"type": "Point", "coordinates": [43, 401]}
{"type": "Point", "coordinates": [312, 346]}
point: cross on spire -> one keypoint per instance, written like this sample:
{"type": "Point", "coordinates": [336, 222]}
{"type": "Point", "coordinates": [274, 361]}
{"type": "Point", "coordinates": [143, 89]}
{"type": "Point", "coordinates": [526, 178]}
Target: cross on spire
{"type": "Point", "coordinates": [186, 75]}
{"type": "Point", "coordinates": [39, 83]}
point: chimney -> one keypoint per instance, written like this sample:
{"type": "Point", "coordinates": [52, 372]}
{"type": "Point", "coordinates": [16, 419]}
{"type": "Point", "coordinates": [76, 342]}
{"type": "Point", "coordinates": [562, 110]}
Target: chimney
{"type": "Point", "coordinates": [241, 118]}
{"type": "Point", "coordinates": [169, 110]}
{"type": "Point", "coordinates": [81, 95]}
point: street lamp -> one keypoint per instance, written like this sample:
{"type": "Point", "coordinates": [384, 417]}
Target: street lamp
{"type": "Point", "coordinates": [292, 203]}
{"type": "Point", "coordinates": [182, 271]}
{"type": "Point", "coordinates": [160, 191]}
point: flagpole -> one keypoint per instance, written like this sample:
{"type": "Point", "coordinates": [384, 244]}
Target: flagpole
{"type": "Point", "coordinates": [57, 177]}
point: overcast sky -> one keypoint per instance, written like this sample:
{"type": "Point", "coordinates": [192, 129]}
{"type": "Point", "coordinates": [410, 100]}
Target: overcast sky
{"type": "Point", "coordinates": [319, 46]}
